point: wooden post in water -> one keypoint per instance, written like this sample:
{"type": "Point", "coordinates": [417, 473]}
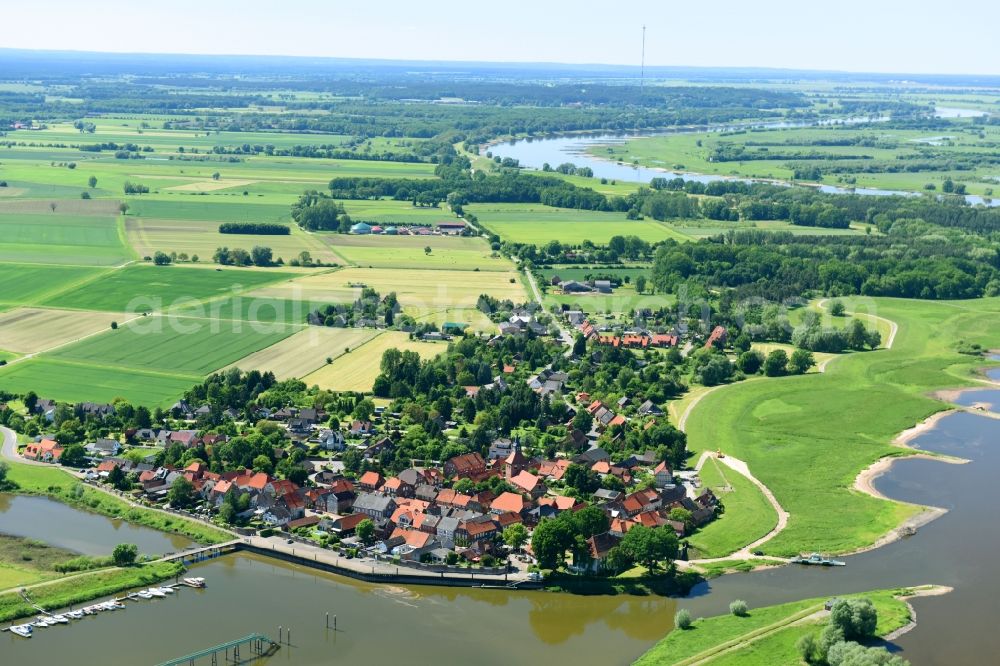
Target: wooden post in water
{"type": "Point", "coordinates": [328, 620]}
{"type": "Point", "coordinates": [279, 634]}
{"type": "Point", "coordinates": [335, 623]}
{"type": "Point", "coordinates": [288, 638]}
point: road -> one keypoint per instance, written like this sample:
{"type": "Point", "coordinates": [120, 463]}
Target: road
{"type": "Point", "coordinates": [9, 450]}
{"type": "Point", "coordinates": [564, 334]}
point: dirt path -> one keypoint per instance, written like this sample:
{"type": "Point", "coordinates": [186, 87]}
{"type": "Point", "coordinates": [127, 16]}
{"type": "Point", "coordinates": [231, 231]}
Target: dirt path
{"type": "Point", "coordinates": [893, 326]}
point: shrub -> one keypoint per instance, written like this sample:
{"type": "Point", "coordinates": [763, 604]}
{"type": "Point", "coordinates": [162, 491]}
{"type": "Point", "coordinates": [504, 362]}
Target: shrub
{"type": "Point", "coordinates": [738, 608]}
{"type": "Point", "coordinates": [682, 619]}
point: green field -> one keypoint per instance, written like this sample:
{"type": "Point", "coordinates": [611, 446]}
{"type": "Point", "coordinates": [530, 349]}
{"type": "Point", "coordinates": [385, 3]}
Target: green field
{"type": "Point", "coordinates": [76, 382]}
{"type": "Point", "coordinates": [808, 437]}
{"type": "Point", "coordinates": [60, 238]}
{"type": "Point", "coordinates": [29, 284]}
{"type": "Point", "coordinates": [140, 288]}
{"type": "Point", "coordinates": [391, 212]}
{"type": "Point", "coordinates": [776, 153]}
{"type": "Point", "coordinates": [765, 636]}
{"type": "Point", "coordinates": [747, 517]}
{"type": "Point", "coordinates": [538, 224]}
{"type": "Point", "coordinates": [175, 345]}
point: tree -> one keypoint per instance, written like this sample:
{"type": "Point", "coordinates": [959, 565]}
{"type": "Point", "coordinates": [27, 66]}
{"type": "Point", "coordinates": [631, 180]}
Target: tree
{"type": "Point", "coordinates": [857, 618]}
{"type": "Point", "coordinates": [579, 345]}
{"type": "Point", "coordinates": [800, 362]}
{"type": "Point", "coordinates": [854, 654]}
{"type": "Point", "coordinates": [427, 249]}
{"type": "Point", "coordinates": [648, 546]}
{"type": "Point", "coordinates": [161, 258]}
{"type": "Point", "coordinates": [261, 256]}
{"type": "Point", "coordinates": [640, 284]}
{"type": "Point", "coordinates": [515, 536]}
{"type": "Point", "coordinates": [123, 208]}
{"type": "Point", "coordinates": [181, 494]}
{"type": "Point", "coordinates": [682, 619]}
{"type": "Point", "coordinates": [92, 182]}
{"type": "Point", "coordinates": [750, 362]}
{"type": "Point", "coordinates": [117, 478]}
{"type": "Point", "coordinates": [125, 554]}
{"type": "Point", "coordinates": [30, 401]}
{"type": "Point", "coordinates": [263, 464]}
{"type": "Point", "coordinates": [776, 363]}
{"type": "Point", "coordinates": [738, 608]}
{"type": "Point", "coordinates": [365, 531]}
{"type": "Point", "coordinates": [837, 308]}
{"type": "Point", "coordinates": [73, 455]}
{"type": "Point", "coordinates": [582, 479]}
{"type": "Point", "coordinates": [550, 540]}
{"type": "Point", "coordinates": [4, 469]}
{"type": "Point", "coordinates": [114, 326]}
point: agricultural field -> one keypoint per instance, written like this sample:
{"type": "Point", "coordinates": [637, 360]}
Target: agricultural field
{"type": "Point", "coordinates": [357, 370]}
{"type": "Point", "coordinates": [538, 224]}
{"type": "Point", "coordinates": [175, 345]}
{"type": "Point", "coordinates": [417, 290]}
{"type": "Point", "coordinates": [707, 228]}
{"type": "Point", "coordinates": [410, 252]}
{"type": "Point", "coordinates": [140, 288]}
{"type": "Point", "coordinates": [391, 212]}
{"type": "Point", "coordinates": [76, 382]}
{"type": "Point", "coordinates": [30, 284]}
{"type": "Point", "coordinates": [847, 156]}
{"type": "Point", "coordinates": [69, 234]}
{"type": "Point", "coordinates": [196, 237]}
{"type": "Point", "coordinates": [32, 330]}
{"type": "Point", "coordinates": [305, 351]}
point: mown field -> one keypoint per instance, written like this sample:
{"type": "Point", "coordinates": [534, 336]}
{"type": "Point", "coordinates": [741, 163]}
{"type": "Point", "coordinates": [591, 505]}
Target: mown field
{"type": "Point", "coordinates": [357, 370]}
{"type": "Point", "coordinates": [808, 437]}
{"type": "Point", "coordinates": [305, 351]}
{"type": "Point", "coordinates": [31, 330]}
{"type": "Point", "coordinates": [410, 252]}
{"type": "Point", "coordinates": [534, 223]}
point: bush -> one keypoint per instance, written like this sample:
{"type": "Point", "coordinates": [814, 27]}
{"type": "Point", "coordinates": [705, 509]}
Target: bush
{"type": "Point", "coordinates": [682, 619]}
{"type": "Point", "coordinates": [738, 608]}
{"type": "Point", "coordinates": [837, 308]}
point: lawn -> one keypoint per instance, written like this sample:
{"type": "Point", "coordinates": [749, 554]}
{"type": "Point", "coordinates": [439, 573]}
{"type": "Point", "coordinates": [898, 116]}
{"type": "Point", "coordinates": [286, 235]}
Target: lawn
{"type": "Point", "coordinates": [418, 290]}
{"type": "Point", "coordinates": [773, 629]}
{"type": "Point", "coordinates": [538, 224]}
{"type": "Point", "coordinates": [175, 345]}
{"type": "Point", "coordinates": [302, 353]}
{"type": "Point", "coordinates": [748, 515]}
{"type": "Point", "coordinates": [808, 437]}
{"type": "Point", "coordinates": [357, 370]}
{"type": "Point", "coordinates": [389, 211]}
{"type": "Point", "coordinates": [409, 252]}
{"type": "Point", "coordinates": [78, 382]}
{"type": "Point", "coordinates": [139, 288]}
{"type": "Point", "coordinates": [31, 330]}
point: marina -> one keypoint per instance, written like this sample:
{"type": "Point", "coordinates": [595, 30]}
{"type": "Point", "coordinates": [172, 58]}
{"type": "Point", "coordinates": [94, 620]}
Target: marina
{"type": "Point", "coordinates": [46, 619]}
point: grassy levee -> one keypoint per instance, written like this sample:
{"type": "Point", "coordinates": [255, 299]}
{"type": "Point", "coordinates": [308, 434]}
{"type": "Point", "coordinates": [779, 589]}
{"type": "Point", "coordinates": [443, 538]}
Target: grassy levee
{"type": "Point", "coordinates": [767, 635]}
{"type": "Point", "coordinates": [58, 484]}
{"type": "Point", "coordinates": [747, 517]}
{"type": "Point", "coordinates": [80, 588]}
{"type": "Point", "coordinates": [808, 437]}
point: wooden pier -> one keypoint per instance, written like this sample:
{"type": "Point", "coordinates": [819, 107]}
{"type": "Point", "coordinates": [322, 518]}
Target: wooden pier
{"type": "Point", "coordinates": [254, 645]}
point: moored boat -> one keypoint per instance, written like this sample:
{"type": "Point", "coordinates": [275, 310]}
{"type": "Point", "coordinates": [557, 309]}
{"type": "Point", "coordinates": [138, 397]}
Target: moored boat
{"type": "Point", "coordinates": [818, 560]}
{"type": "Point", "coordinates": [143, 594]}
{"type": "Point", "coordinates": [76, 615]}
{"type": "Point", "coordinates": [61, 619]}
{"type": "Point", "coordinates": [156, 592]}
{"type": "Point", "coordinates": [22, 630]}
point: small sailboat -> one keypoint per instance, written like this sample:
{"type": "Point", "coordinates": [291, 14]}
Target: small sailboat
{"type": "Point", "coordinates": [61, 619]}
{"type": "Point", "coordinates": [42, 621]}
{"type": "Point", "coordinates": [143, 594]}
{"type": "Point", "coordinates": [76, 615]}
{"type": "Point", "coordinates": [167, 590]}
{"type": "Point", "coordinates": [23, 630]}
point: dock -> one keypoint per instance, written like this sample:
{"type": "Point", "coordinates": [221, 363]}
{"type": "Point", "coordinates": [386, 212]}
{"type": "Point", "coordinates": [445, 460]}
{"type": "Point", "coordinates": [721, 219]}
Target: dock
{"type": "Point", "coordinates": [256, 646]}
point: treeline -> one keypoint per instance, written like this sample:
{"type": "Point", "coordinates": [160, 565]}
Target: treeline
{"type": "Point", "coordinates": [778, 266]}
{"type": "Point", "coordinates": [255, 228]}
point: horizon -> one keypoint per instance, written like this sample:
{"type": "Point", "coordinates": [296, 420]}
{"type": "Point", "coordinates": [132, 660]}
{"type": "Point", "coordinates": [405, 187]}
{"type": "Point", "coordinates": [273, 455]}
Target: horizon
{"type": "Point", "coordinates": [852, 39]}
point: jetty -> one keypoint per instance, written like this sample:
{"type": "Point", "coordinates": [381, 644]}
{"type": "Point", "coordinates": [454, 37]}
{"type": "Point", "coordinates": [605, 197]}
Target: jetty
{"type": "Point", "coordinates": [815, 559]}
{"type": "Point", "coordinates": [255, 646]}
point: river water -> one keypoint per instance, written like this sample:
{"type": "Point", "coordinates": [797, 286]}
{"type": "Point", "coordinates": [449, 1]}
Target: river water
{"type": "Point", "coordinates": [419, 625]}
{"type": "Point", "coordinates": [87, 533]}
{"type": "Point", "coordinates": [533, 153]}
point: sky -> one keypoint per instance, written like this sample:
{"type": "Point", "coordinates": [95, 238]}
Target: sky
{"type": "Point", "coordinates": [905, 36]}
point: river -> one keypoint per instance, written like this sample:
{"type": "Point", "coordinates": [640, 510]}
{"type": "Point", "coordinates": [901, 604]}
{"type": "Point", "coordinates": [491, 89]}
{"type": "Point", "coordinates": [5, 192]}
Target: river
{"type": "Point", "coordinates": [88, 533]}
{"type": "Point", "coordinates": [386, 624]}
{"type": "Point", "coordinates": [533, 153]}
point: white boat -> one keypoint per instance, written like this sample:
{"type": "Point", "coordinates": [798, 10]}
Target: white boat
{"type": "Point", "coordinates": [195, 582]}
{"type": "Point", "coordinates": [61, 619]}
{"type": "Point", "coordinates": [89, 610]}
{"type": "Point", "coordinates": [156, 592]}
{"type": "Point", "coordinates": [76, 615]}
{"type": "Point", "coordinates": [21, 630]}
{"type": "Point", "coordinates": [143, 594]}
{"type": "Point", "coordinates": [167, 590]}
{"type": "Point", "coordinates": [42, 621]}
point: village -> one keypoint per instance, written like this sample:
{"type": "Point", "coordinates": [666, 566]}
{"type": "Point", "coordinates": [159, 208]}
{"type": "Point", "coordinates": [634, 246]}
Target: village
{"type": "Point", "coordinates": [479, 508]}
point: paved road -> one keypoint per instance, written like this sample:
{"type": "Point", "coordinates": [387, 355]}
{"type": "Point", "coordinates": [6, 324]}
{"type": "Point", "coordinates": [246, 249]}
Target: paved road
{"type": "Point", "coordinates": [9, 450]}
